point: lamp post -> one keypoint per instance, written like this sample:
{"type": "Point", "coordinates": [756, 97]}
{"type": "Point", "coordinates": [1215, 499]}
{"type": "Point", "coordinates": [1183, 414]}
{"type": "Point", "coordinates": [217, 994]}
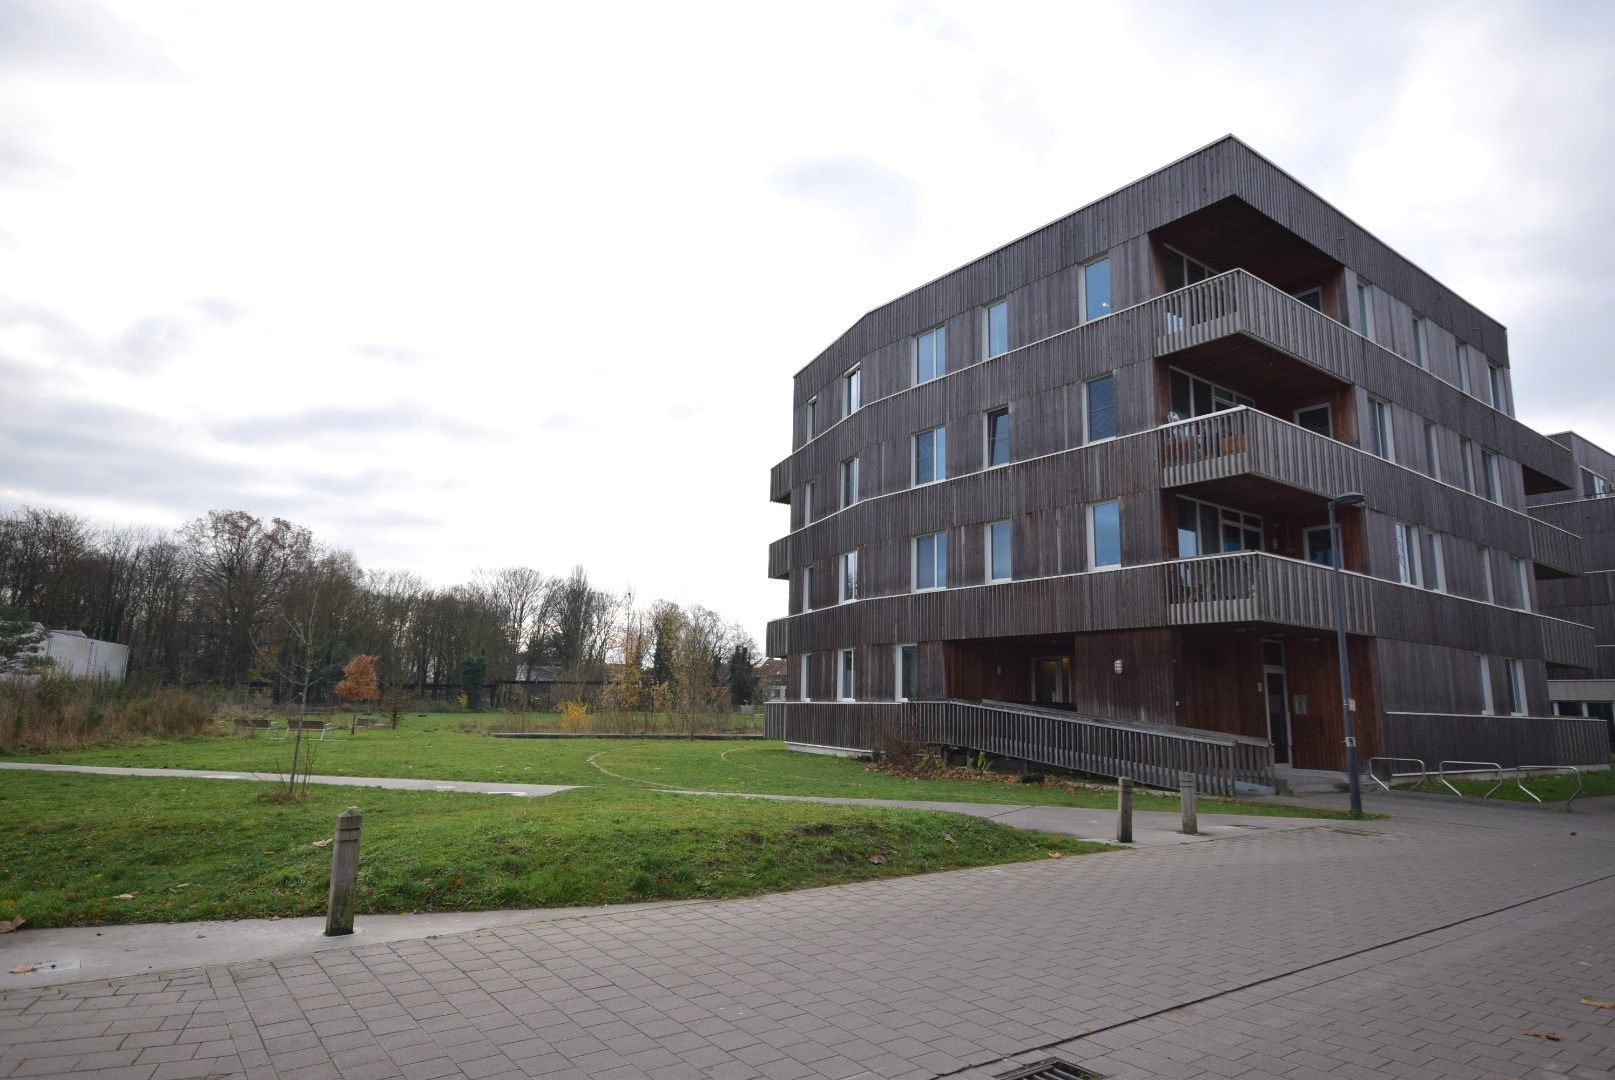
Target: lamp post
{"type": "Point", "coordinates": [1348, 707]}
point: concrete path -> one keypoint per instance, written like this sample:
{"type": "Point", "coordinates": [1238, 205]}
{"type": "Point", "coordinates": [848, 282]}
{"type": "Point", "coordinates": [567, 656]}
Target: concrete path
{"type": "Point", "coordinates": [393, 782]}
{"type": "Point", "coordinates": [1457, 944]}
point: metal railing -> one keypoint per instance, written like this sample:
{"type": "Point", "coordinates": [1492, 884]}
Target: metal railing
{"type": "Point", "coordinates": [1519, 781]}
{"type": "Point", "coordinates": [1393, 776]}
{"type": "Point", "coordinates": [1442, 772]}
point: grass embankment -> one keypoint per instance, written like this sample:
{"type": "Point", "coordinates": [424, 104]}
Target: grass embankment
{"type": "Point", "coordinates": [435, 747]}
{"type": "Point", "coordinates": [209, 849]}
{"type": "Point", "coordinates": [1549, 787]}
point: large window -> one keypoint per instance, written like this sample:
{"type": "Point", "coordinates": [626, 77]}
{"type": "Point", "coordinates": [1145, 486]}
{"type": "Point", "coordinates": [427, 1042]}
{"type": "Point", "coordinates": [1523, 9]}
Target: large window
{"type": "Point", "coordinates": [908, 671]}
{"type": "Point", "coordinates": [1435, 562]}
{"type": "Point", "coordinates": [1096, 290]}
{"type": "Point", "coordinates": [1421, 343]}
{"type": "Point", "coordinates": [1592, 485]}
{"type": "Point", "coordinates": [808, 491]}
{"type": "Point", "coordinates": [807, 588]}
{"type": "Point", "coordinates": [1365, 309]}
{"type": "Point", "coordinates": [931, 355]}
{"type": "Point", "coordinates": [1320, 545]}
{"type": "Point", "coordinates": [1488, 471]}
{"type": "Point", "coordinates": [1432, 451]}
{"type": "Point", "coordinates": [804, 689]}
{"type": "Point", "coordinates": [931, 561]}
{"type": "Point", "coordinates": [849, 577]}
{"type": "Point", "coordinates": [1516, 686]}
{"type": "Point", "coordinates": [1488, 586]}
{"type": "Point", "coordinates": [1381, 442]}
{"type": "Point", "coordinates": [1208, 529]}
{"type": "Point", "coordinates": [1495, 385]}
{"type": "Point", "coordinates": [996, 330]}
{"type": "Point", "coordinates": [1193, 396]}
{"type": "Point", "coordinates": [999, 566]}
{"type": "Point", "coordinates": [852, 391]}
{"type": "Point", "coordinates": [1483, 671]}
{"type": "Point", "coordinates": [1104, 534]}
{"type": "Point", "coordinates": [931, 456]}
{"type": "Point", "coordinates": [1522, 581]}
{"type": "Point", "coordinates": [1100, 398]}
{"type": "Point", "coordinates": [1178, 270]}
{"type": "Point", "coordinates": [847, 675]}
{"type": "Point", "coordinates": [849, 482]}
{"type": "Point", "coordinates": [1466, 456]}
{"type": "Point", "coordinates": [997, 450]}
{"type": "Point", "coordinates": [1408, 563]}
{"type": "Point", "coordinates": [1463, 368]}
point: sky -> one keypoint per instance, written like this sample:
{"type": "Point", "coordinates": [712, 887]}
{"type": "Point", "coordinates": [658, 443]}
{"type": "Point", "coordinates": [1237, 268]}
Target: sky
{"type": "Point", "coordinates": [471, 285]}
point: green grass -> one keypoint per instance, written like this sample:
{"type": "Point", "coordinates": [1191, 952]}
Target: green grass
{"type": "Point", "coordinates": [434, 747]}
{"type": "Point", "coordinates": [1549, 787]}
{"type": "Point", "coordinates": [213, 849]}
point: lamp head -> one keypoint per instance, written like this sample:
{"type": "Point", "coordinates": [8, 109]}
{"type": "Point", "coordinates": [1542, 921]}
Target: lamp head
{"type": "Point", "coordinates": [1349, 498]}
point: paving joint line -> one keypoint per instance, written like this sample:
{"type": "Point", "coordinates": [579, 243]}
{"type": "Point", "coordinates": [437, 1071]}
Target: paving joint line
{"type": "Point", "coordinates": [1204, 998]}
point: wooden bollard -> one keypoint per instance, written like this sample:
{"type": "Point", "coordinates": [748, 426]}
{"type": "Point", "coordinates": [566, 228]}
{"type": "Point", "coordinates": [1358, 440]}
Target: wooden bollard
{"type": "Point", "coordinates": [344, 874]}
{"type": "Point", "coordinates": [1124, 810]}
{"type": "Point", "coordinates": [1191, 825]}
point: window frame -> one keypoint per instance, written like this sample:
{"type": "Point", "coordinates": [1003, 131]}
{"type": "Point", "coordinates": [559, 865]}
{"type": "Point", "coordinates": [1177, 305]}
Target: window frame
{"type": "Point", "coordinates": [939, 358]}
{"type": "Point", "coordinates": [1491, 476]}
{"type": "Point", "coordinates": [1483, 669]}
{"type": "Point", "coordinates": [1087, 408]}
{"type": "Point", "coordinates": [1599, 484]}
{"type": "Point", "coordinates": [809, 492]}
{"type": "Point", "coordinates": [939, 569]}
{"type": "Point", "coordinates": [847, 673]}
{"type": "Point", "coordinates": [1329, 411]}
{"type": "Point", "coordinates": [1432, 450]}
{"type": "Point", "coordinates": [1466, 452]}
{"type": "Point", "coordinates": [1465, 379]}
{"type": "Point", "coordinates": [990, 549]}
{"type": "Point", "coordinates": [987, 309]}
{"type": "Point", "coordinates": [847, 579]}
{"type": "Point", "coordinates": [1365, 308]}
{"type": "Point", "coordinates": [1488, 582]}
{"type": "Point", "coordinates": [899, 650]}
{"type": "Point", "coordinates": [1083, 318]}
{"type": "Point", "coordinates": [1093, 535]}
{"type": "Point", "coordinates": [1187, 259]}
{"type": "Point", "coordinates": [1238, 400]}
{"type": "Point", "coordinates": [807, 588]}
{"type": "Point", "coordinates": [1223, 513]}
{"type": "Point", "coordinates": [1306, 544]}
{"type": "Point", "coordinates": [1409, 554]}
{"type": "Point", "coordinates": [939, 456]}
{"type": "Point", "coordinates": [852, 387]}
{"type": "Point", "coordinates": [1381, 424]}
{"type": "Point", "coordinates": [987, 437]}
{"type": "Point", "coordinates": [1435, 567]}
{"type": "Point", "coordinates": [1421, 342]}
{"type": "Point", "coordinates": [1496, 387]}
{"type": "Point", "coordinates": [804, 691]}
{"type": "Point", "coordinates": [812, 419]}
{"type": "Point", "coordinates": [1522, 583]}
{"type": "Point", "coordinates": [1514, 675]}
{"type": "Point", "coordinates": [851, 478]}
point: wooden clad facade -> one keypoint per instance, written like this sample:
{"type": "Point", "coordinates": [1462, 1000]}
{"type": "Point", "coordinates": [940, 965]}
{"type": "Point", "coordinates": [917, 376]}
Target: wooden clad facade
{"type": "Point", "coordinates": [1217, 352]}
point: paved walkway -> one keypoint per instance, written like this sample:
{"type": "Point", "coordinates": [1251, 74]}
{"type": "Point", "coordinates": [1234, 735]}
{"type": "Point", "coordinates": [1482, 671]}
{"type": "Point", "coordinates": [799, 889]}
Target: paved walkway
{"type": "Point", "coordinates": [1410, 947]}
{"type": "Point", "coordinates": [396, 783]}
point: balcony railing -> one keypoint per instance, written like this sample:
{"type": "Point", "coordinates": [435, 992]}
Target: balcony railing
{"type": "Point", "coordinates": [1557, 548]}
{"type": "Point", "coordinates": [1246, 441]}
{"type": "Point", "coordinates": [1253, 586]}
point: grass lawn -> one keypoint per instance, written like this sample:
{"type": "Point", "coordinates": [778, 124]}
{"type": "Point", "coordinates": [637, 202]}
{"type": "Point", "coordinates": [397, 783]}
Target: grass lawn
{"type": "Point", "coordinates": [434, 747]}
{"type": "Point", "coordinates": [209, 849]}
{"type": "Point", "coordinates": [1549, 787]}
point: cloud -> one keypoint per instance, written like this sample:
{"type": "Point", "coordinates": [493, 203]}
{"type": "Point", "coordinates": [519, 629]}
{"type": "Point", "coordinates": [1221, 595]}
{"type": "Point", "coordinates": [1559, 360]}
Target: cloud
{"type": "Point", "coordinates": [77, 38]}
{"type": "Point", "coordinates": [342, 422]}
{"type": "Point", "coordinates": [880, 204]}
{"type": "Point", "coordinates": [401, 355]}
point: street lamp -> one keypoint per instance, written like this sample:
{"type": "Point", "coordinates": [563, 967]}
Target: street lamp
{"type": "Point", "coordinates": [1348, 707]}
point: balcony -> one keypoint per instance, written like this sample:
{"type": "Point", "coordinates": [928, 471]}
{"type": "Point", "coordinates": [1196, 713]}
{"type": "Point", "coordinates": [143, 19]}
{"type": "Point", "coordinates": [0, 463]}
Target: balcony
{"type": "Point", "coordinates": [1253, 587]}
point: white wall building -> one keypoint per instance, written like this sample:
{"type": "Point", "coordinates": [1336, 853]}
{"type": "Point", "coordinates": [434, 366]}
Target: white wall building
{"type": "Point", "coordinates": [71, 652]}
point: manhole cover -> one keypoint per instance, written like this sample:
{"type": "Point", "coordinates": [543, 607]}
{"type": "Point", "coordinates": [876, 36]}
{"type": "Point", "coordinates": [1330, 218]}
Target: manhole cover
{"type": "Point", "coordinates": [1052, 1069]}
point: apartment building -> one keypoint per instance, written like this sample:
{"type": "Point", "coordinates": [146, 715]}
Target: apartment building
{"type": "Point", "coordinates": [1087, 476]}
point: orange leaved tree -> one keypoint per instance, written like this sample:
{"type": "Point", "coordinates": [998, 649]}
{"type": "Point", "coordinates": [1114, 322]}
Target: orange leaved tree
{"type": "Point", "coordinates": [359, 680]}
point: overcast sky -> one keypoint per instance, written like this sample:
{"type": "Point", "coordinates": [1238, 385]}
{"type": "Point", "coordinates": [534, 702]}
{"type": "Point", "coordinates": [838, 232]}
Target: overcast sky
{"type": "Point", "coordinates": [467, 285]}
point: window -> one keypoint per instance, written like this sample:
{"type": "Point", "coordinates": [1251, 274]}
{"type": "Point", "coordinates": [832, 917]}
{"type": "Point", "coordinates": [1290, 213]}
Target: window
{"type": "Point", "coordinates": [931, 355]}
{"type": "Point", "coordinates": [1516, 686]}
{"type": "Point", "coordinates": [998, 551]}
{"type": "Point", "coordinates": [1522, 581]}
{"type": "Point", "coordinates": [931, 456]}
{"type": "Point", "coordinates": [1104, 534]}
{"type": "Point", "coordinates": [852, 391]}
{"type": "Point", "coordinates": [1463, 367]}
{"type": "Point", "coordinates": [1435, 562]}
{"type": "Point", "coordinates": [1312, 298]}
{"type": "Point", "coordinates": [1488, 468]}
{"type": "Point", "coordinates": [1421, 343]}
{"type": "Point", "coordinates": [807, 588]}
{"type": "Point", "coordinates": [996, 329]}
{"type": "Point", "coordinates": [931, 561]}
{"type": "Point", "coordinates": [1483, 671]}
{"type": "Point", "coordinates": [1592, 485]}
{"type": "Point", "coordinates": [1178, 270]}
{"type": "Point", "coordinates": [1432, 451]}
{"type": "Point", "coordinates": [1317, 419]}
{"type": "Point", "coordinates": [849, 577]}
{"type": "Point", "coordinates": [849, 482]}
{"type": "Point", "coordinates": [997, 451]}
{"type": "Point", "coordinates": [908, 664]}
{"type": "Point", "coordinates": [1381, 443]}
{"type": "Point", "coordinates": [1208, 529]}
{"type": "Point", "coordinates": [1320, 544]}
{"type": "Point", "coordinates": [1487, 585]}
{"type": "Point", "coordinates": [1192, 396]}
{"type": "Point", "coordinates": [808, 491]}
{"type": "Point", "coordinates": [803, 691]}
{"type": "Point", "coordinates": [1100, 396]}
{"type": "Point", "coordinates": [1096, 290]}
{"type": "Point", "coordinates": [1365, 309]}
{"type": "Point", "coordinates": [1407, 554]}
{"type": "Point", "coordinates": [1494, 384]}
{"type": "Point", "coordinates": [848, 669]}
{"type": "Point", "coordinates": [1466, 454]}
{"type": "Point", "coordinates": [812, 416]}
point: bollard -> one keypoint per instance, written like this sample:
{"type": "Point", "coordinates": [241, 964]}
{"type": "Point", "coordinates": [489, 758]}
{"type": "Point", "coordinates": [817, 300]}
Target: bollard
{"type": "Point", "coordinates": [344, 874]}
{"type": "Point", "coordinates": [1191, 826]}
{"type": "Point", "coordinates": [1124, 810]}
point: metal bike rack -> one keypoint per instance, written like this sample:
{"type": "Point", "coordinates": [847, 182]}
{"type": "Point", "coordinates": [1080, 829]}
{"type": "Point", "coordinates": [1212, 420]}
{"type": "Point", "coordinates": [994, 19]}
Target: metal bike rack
{"type": "Point", "coordinates": [1483, 767]}
{"type": "Point", "coordinates": [1519, 781]}
{"type": "Point", "coordinates": [1423, 773]}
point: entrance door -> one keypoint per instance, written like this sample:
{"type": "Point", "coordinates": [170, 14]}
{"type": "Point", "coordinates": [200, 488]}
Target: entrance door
{"type": "Point", "coordinates": [1050, 680]}
{"type": "Point", "coordinates": [1278, 700]}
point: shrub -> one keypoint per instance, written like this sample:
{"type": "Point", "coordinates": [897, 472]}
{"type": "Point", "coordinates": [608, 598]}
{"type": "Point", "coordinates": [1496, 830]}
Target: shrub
{"type": "Point", "coordinates": [56, 712]}
{"type": "Point", "coordinates": [574, 716]}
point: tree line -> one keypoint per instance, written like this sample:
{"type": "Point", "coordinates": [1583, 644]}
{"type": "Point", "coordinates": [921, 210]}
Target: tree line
{"type": "Point", "coordinates": [239, 601]}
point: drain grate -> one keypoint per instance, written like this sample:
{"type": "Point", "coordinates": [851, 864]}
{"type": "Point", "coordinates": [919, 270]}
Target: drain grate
{"type": "Point", "coordinates": [1052, 1069]}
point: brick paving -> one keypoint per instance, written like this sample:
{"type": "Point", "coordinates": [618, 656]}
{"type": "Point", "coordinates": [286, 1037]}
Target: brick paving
{"type": "Point", "coordinates": [1418, 946]}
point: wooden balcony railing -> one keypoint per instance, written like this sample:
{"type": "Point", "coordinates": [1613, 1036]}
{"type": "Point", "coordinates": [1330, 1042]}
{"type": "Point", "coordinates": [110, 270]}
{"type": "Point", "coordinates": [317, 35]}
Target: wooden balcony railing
{"type": "Point", "coordinates": [1246, 441]}
{"type": "Point", "coordinates": [1253, 586]}
{"type": "Point", "coordinates": [1559, 549]}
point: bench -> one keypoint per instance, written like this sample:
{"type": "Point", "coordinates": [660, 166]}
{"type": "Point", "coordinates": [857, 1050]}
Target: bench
{"type": "Point", "coordinates": [305, 724]}
{"type": "Point", "coordinates": [258, 724]}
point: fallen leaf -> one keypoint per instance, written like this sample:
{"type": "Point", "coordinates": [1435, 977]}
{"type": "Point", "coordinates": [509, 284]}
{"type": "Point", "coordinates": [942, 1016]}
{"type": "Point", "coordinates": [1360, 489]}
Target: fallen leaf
{"type": "Point", "coordinates": [1585, 1000]}
{"type": "Point", "coordinates": [946, 839]}
{"type": "Point", "coordinates": [324, 843]}
{"type": "Point", "coordinates": [25, 969]}
{"type": "Point", "coordinates": [8, 925]}
{"type": "Point", "coordinates": [124, 896]}
{"type": "Point", "coordinates": [181, 885]}
{"type": "Point", "coordinates": [1056, 854]}
{"type": "Point", "coordinates": [1545, 1036]}
{"type": "Point", "coordinates": [877, 859]}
